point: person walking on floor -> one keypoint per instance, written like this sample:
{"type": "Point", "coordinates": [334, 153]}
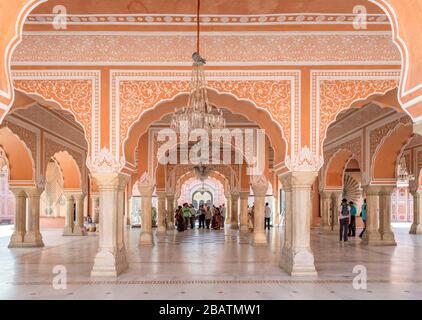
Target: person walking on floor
{"type": "Point", "coordinates": [344, 220]}
{"type": "Point", "coordinates": [352, 225]}
{"type": "Point", "coordinates": [186, 214]}
{"type": "Point", "coordinates": [251, 213]}
{"type": "Point", "coordinates": [201, 216]}
{"type": "Point", "coordinates": [207, 216]}
{"type": "Point", "coordinates": [180, 221]}
{"type": "Point", "coordinates": [363, 215]}
{"type": "Point", "coordinates": [223, 214]}
{"type": "Point", "coordinates": [192, 216]}
{"type": "Point", "coordinates": [267, 216]}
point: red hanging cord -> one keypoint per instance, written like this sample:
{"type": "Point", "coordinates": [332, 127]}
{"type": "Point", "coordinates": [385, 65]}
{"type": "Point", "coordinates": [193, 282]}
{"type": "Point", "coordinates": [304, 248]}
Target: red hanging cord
{"type": "Point", "coordinates": [197, 26]}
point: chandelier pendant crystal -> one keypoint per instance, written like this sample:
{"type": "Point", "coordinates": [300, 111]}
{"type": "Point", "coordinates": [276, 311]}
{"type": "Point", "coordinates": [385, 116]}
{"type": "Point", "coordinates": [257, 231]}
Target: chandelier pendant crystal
{"type": "Point", "coordinates": [198, 113]}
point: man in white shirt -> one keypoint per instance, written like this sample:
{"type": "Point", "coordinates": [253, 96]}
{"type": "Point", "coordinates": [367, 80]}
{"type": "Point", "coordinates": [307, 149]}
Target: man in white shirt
{"type": "Point", "coordinates": [223, 213]}
{"type": "Point", "coordinates": [267, 216]}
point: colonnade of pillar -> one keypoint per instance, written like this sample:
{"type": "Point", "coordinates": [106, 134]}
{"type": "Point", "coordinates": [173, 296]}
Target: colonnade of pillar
{"type": "Point", "coordinates": [234, 215]}
{"type": "Point", "coordinates": [378, 223]}
{"type": "Point", "coordinates": [378, 216]}
{"type": "Point", "coordinates": [296, 256]}
{"type": "Point", "coordinates": [74, 223]}
{"type": "Point", "coordinates": [27, 218]}
{"type": "Point", "coordinates": [416, 227]}
{"type": "Point", "coordinates": [110, 259]}
{"type": "Point", "coordinates": [330, 204]}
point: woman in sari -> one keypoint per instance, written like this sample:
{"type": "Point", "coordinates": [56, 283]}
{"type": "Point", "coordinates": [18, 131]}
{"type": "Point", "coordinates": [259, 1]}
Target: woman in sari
{"type": "Point", "coordinates": [216, 220]}
{"type": "Point", "coordinates": [251, 212]}
{"type": "Point", "coordinates": [180, 221]}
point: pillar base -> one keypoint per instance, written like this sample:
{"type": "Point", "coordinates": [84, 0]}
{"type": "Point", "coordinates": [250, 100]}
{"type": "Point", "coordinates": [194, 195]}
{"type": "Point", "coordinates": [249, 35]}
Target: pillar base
{"type": "Point", "coordinates": [372, 239]}
{"type": "Point", "coordinates": [33, 239]}
{"type": "Point", "coordinates": [170, 226]}
{"type": "Point", "coordinates": [146, 239]}
{"type": "Point", "coordinates": [244, 229]}
{"type": "Point", "coordinates": [259, 239]}
{"type": "Point", "coordinates": [388, 239]}
{"type": "Point", "coordinates": [326, 229]}
{"type": "Point", "coordinates": [16, 240]}
{"type": "Point", "coordinates": [68, 231]}
{"type": "Point", "coordinates": [415, 229]}
{"type": "Point", "coordinates": [234, 226]}
{"type": "Point", "coordinates": [161, 230]}
{"type": "Point", "coordinates": [78, 231]}
{"type": "Point", "coordinates": [109, 264]}
{"type": "Point", "coordinates": [299, 263]}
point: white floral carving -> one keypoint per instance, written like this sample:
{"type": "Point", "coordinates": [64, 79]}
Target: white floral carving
{"type": "Point", "coordinates": [304, 160]}
{"type": "Point", "coordinates": [259, 184]}
{"type": "Point", "coordinates": [104, 162]}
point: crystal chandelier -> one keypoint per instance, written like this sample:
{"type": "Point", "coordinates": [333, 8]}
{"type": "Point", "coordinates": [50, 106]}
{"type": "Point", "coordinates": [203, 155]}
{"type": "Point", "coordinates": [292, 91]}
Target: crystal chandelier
{"type": "Point", "coordinates": [198, 113]}
{"type": "Point", "coordinates": [202, 172]}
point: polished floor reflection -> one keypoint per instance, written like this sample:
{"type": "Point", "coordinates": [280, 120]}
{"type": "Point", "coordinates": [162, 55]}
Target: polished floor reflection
{"type": "Point", "coordinates": [207, 264]}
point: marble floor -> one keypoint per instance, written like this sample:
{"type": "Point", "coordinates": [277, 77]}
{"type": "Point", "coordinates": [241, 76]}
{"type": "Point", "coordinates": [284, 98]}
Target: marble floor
{"type": "Point", "coordinates": [205, 264]}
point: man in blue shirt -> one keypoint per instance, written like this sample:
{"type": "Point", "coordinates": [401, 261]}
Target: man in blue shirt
{"type": "Point", "coordinates": [363, 215]}
{"type": "Point", "coordinates": [352, 224]}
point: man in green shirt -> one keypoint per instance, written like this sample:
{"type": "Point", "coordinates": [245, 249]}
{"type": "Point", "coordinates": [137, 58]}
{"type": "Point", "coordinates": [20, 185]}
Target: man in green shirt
{"type": "Point", "coordinates": [186, 214]}
{"type": "Point", "coordinates": [352, 224]}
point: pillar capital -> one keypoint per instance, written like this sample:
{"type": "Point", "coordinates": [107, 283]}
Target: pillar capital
{"type": "Point", "coordinates": [161, 194]}
{"type": "Point", "coordinates": [416, 193]}
{"type": "Point", "coordinates": [244, 195]}
{"type": "Point", "coordinates": [109, 180]}
{"type": "Point", "coordinates": [386, 190]}
{"type": "Point", "coordinates": [69, 196]}
{"type": "Point", "coordinates": [146, 185]}
{"type": "Point", "coordinates": [372, 190]}
{"type": "Point", "coordinates": [235, 194]}
{"type": "Point", "coordinates": [298, 179]}
{"type": "Point", "coordinates": [325, 194]}
{"type": "Point", "coordinates": [17, 191]}
{"type": "Point", "coordinates": [33, 192]}
{"type": "Point", "coordinates": [79, 196]}
{"type": "Point", "coordinates": [259, 185]}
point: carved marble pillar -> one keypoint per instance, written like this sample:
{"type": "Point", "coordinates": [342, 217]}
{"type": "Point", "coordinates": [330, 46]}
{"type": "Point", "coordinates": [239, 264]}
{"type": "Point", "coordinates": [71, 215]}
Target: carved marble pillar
{"type": "Point", "coordinates": [96, 208]}
{"type": "Point", "coordinates": [129, 211]}
{"type": "Point", "coordinates": [297, 258]}
{"type": "Point", "coordinates": [146, 187]}
{"type": "Point", "coordinates": [276, 211]}
{"type": "Point", "coordinates": [170, 211]}
{"type": "Point", "coordinates": [287, 226]}
{"type": "Point", "coordinates": [123, 181]}
{"type": "Point", "coordinates": [234, 219]}
{"type": "Point", "coordinates": [161, 219]}
{"type": "Point", "coordinates": [325, 211]}
{"type": "Point", "coordinates": [336, 198]}
{"type": "Point", "coordinates": [110, 260]}
{"type": "Point", "coordinates": [228, 209]}
{"type": "Point", "coordinates": [416, 227]}
{"type": "Point", "coordinates": [33, 236]}
{"type": "Point", "coordinates": [372, 235]}
{"type": "Point", "coordinates": [385, 230]}
{"type": "Point", "coordinates": [70, 210]}
{"type": "Point", "coordinates": [259, 186]}
{"type": "Point", "coordinates": [244, 211]}
{"type": "Point", "coordinates": [78, 229]}
{"type": "Point", "coordinates": [17, 238]}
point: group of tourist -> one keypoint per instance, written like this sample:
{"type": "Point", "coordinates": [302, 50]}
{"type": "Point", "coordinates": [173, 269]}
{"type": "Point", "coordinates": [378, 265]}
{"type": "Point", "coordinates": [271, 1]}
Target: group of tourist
{"type": "Point", "coordinates": [347, 219]}
{"type": "Point", "coordinates": [251, 213]}
{"type": "Point", "coordinates": [207, 216]}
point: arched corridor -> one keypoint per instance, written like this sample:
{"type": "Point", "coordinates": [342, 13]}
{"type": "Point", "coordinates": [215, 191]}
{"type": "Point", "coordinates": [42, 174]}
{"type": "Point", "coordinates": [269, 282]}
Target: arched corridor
{"type": "Point", "coordinates": [237, 145]}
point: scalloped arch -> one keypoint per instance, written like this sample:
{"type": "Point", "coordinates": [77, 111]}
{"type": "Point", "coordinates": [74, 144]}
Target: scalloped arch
{"type": "Point", "coordinates": [21, 162]}
{"type": "Point", "coordinates": [227, 101]}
